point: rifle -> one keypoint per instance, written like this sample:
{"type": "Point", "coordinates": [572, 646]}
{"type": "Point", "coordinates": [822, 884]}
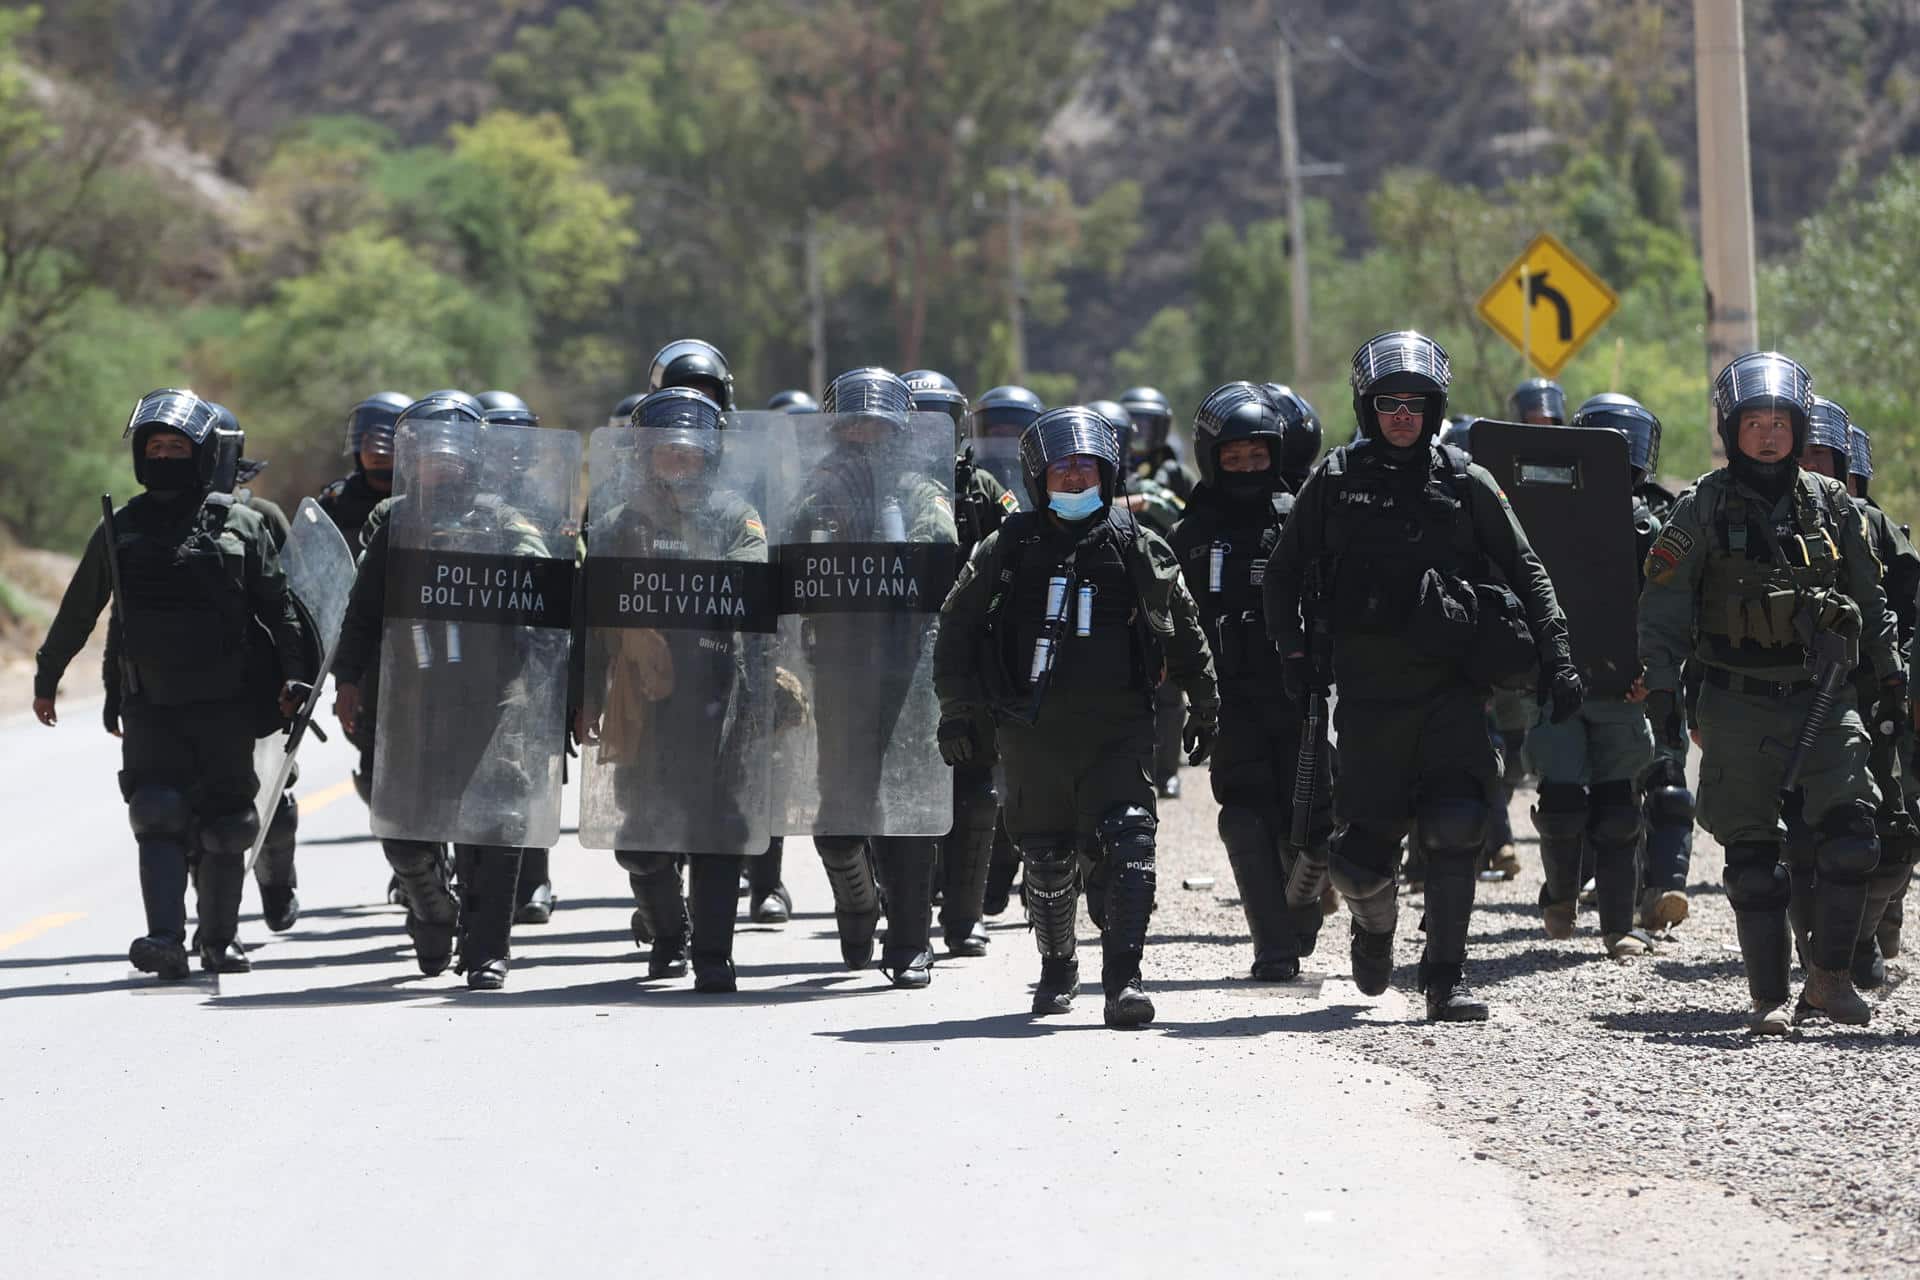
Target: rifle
{"type": "Point", "coordinates": [1827, 659]}
{"type": "Point", "coordinates": [1307, 879]}
{"type": "Point", "coordinates": [129, 678]}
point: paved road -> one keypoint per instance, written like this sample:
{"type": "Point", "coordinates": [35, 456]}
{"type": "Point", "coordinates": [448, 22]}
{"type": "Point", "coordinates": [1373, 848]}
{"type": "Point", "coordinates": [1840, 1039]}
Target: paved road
{"type": "Point", "coordinates": [334, 1113]}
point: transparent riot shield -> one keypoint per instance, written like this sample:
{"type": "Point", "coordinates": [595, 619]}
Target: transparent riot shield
{"type": "Point", "coordinates": [999, 456]}
{"type": "Point", "coordinates": [1572, 490]}
{"type": "Point", "coordinates": [679, 606]}
{"type": "Point", "coordinates": [863, 508]}
{"type": "Point", "coordinates": [480, 556]}
{"type": "Point", "coordinates": [319, 570]}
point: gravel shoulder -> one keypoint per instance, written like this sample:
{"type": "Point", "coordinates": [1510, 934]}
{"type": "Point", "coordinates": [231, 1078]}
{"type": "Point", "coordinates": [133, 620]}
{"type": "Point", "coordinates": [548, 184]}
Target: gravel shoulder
{"type": "Point", "coordinates": [1640, 1120]}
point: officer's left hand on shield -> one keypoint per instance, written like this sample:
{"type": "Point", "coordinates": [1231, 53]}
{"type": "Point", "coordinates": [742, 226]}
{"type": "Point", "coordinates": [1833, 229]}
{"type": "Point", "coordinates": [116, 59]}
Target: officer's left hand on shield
{"type": "Point", "coordinates": [1198, 737]}
{"type": "Point", "coordinates": [293, 696]}
{"type": "Point", "coordinates": [957, 745]}
{"type": "Point", "coordinates": [1564, 694]}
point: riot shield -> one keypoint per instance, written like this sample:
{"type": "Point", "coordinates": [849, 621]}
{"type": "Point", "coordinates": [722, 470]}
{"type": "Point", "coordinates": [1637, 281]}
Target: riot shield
{"type": "Point", "coordinates": [1572, 490]}
{"type": "Point", "coordinates": [999, 456]}
{"type": "Point", "coordinates": [680, 606]}
{"type": "Point", "coordinates": [864, 513]}
{"type": "Point", "coordinates": [480, 552]}
{"type": "Point", "coordinates": [319, 570]}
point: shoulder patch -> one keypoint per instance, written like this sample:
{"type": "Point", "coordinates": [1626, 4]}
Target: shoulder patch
{"type": "Point", "coordinates": [1008, 501]}
{"type": "Point", "coordinates": [940, 501]}
{"type": "Point", "coordinates": [1669, 549]}
{"type": "Point", "coordinates": [754, 526]}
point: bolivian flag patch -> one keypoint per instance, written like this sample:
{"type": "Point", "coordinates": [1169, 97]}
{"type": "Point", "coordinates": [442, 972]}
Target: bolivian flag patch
{"type": "Point", "coordinates": [1008, 501]}
{"type": "Point", "coordinates": [755, 527]}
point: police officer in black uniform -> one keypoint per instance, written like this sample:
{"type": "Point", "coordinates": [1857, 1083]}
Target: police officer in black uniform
{"type": "Point", "coordinates": [1233, 521]}
{"type": "Point", "coordinates": [1058, 630]}
{"type": "Point", "coordinates": [190, 573]}
{"type": "Point", "coordinates": [1406, 558]}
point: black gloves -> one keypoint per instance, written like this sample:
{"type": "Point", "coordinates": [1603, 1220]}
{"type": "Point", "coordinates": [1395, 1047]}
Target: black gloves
{"type": "Point", "coordinates": [1298, 678]}
{"type": "Point", "coordinates": [958, 745]}
{"type": "Point", "coordinates": [1892, 712]}
{"type": "Point", "coordinates": [1564, 693]}
{"type": "Point", "coordinates": [1663, 713]}
{"type": "Point", "coordinates": [1197, 737]}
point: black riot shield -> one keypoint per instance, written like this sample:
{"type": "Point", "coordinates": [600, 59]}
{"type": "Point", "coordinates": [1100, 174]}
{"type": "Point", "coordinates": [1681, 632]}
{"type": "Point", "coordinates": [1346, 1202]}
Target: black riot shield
{"type": "Point", "coordinates": [1573, 493]}
{"type": "Point", "coordinates": [473, 664]}
{"type": "Point", "coordinates": [865, 525]}
{"type": "Point", "coordinates": [680, 606]}
{"type": "Point", "coordinates": [320, 571]}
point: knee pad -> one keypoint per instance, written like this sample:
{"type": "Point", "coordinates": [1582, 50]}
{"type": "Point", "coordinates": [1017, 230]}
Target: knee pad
{"type": "Point", "coordinates": [1849, 846]}
{"type": "Point", "coordinates": [1372, 854]}
{"type": "Point", "coordinates": [230, 834]}
{"type": "Point", "coordinates": [1559, 824]}
{"type": "Point", "coordinates": [1756, 878]}
{"type": "Point", "coordinates": [1670, 806]}
{"type": "Point", "coordinates": [1450, 822]}
{"type": "Point", "coordinates": [1130, 825]}
{"type": "Point", "coordinates": [154, 810]}
{"type": "Point", "coordinates": [634, 862]}
{"type": "Point", "coordinates": [1052, 865]}
{"type": "Point", "coordinates": [1245, 831]}
{"type": "Point", "coordinates": [1615, 824]}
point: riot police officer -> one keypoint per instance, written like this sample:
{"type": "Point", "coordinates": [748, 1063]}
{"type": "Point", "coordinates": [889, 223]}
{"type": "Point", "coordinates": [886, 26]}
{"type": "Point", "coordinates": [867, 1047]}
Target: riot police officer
{"type": "Point", "coordinates": [350, 499]}
{"type": "Point", "coordinates": [1384, 555]}
{"type": "Point", "coordinates": [1538, 402]}
{"type": "Point", "coordinates": [1301, 434]}
{"type": "Point", "coordinates": [1153, 503]}
{"type": "Point", "coordinates": [980, 504]}
{"type": "Point", "coordinates": [189, 573]}
{"type": "Point", "coordinates": [1588, 812]}
{"type": "Point", "coordinates": [1154, 455]}
{"type": "Point", "coordinates": [1057, 631]}
{"type": "Point", "coordinates": [1763, 571]}
{"type": "Point", "coordinates": [1232, 523]}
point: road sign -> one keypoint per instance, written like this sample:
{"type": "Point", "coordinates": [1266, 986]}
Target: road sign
{"type": "Point", "coordinates": [1547, 304]}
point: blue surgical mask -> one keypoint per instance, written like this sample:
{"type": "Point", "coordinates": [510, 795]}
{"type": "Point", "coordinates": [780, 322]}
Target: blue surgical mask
{"type": "Point", "coordinates": [1075, 506]}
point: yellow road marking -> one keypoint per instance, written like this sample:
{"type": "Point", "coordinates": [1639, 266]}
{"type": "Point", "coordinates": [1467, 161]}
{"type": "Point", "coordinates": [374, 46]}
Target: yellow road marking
{"type": "Point", "coordinates": [34, 928]}
{"type": "Point", "coordinates": [321, 799]}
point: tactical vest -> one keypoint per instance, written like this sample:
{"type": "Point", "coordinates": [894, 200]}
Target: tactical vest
{"type": "Point", "coordinates": [971, 518]}
{"type": "Point", "coordinates": [185, 616]}
{"type": "Point", "coordinates": [1385, 527]}
{"type": "Point", "coordinates": [1105, 600]}
{"type": "Point", "coordinates": [1755, 584]}
{"type": "Point", "coordinates": [1226, 575]}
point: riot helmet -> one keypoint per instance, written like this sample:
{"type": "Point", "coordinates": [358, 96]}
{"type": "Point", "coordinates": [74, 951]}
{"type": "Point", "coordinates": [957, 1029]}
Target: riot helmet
{"type": "Point", "coordinates": [622, 414]}
{"type": "Point", "coordinates": [793, 401]}
{"type": "Point", "coordinates": [179, 410]}
{"type": "Point", "coordinates": [370, 428]}
{"type": "Point", "coordinates": [1152, 419]}
{"type": "Point", "coordinates": [1399, 366]}
{"type": "Point", "coordinates": [1828, 427]}
{"type": "Point", "coordinates": [1614, 412]}
{"type": "Point", "coordinates": [1232, 413]}
{"type": "Point", "coordinates": [869, 395]}
{"type": "Point", "coordinates": [505, 409]}
{"type": "Point", "coordinates": [1300, 433]}
{"type": "Point", "coordinates": [229, 442]}
{"type": "Point", "coordinates": [1538, 402]}
{"type": "Point", "coordinates": [935, 392]}
{"type": "Point", "coordinates": [1119, 419]}
{"type": "Point", "coordinates": [683, 441]}
{"type": "Point", "coordinates": [1070, 431]}
{"type": "Point", "coordinates": [693, 362]}
{"type": "Point", "coordinates": [1859, 459]}
{"type": "Point", "coordinates": [447, 446]}
{"type": "Point", "coordinates": [1762, 380]}
{"type": "Point", "coordinates": [1005, 411]}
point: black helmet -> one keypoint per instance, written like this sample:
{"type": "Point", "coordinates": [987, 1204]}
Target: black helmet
{"type": "Point", "coordinates": [1401, 362]}
{"type": "Point", "coordinates": [1236, 411]}
{"type": "Point", "coordinates": [230, 470]}
{"type": "Point", "coordinates": [172, 409]}
{"type": "Point", "coordinates": [1761, 379]}
{"type": "Point", "coordinates": [1630, 418]}
{"type": "Point", "coordinates": [681, 415]}
{"type": "Point", "coordinates": [692, 362]}
{"type": "Point", "coordinates": [794, 401]}
{"type": "Point", "coordinates": [1539, 398]}
{"type": "Point", "coordinates": [1152, 418]}
{"type": "Point", "coordinates": [505, 409]}
{"type": "Point", "coordinates": [1459, 434]}
{"type": "Point", "coordinates": [872, 391]}
{"type": "Point", "coordinates": [1828, 424]}
{"type": "Point", "coordinates": [1064, 433]}
{"type": "Point", "coordinates": [446, 445]}
{"type": "Point", "coordinates": [1300, 433]}
{"type": "Point", "coordinates": [1005, 411]}
{"type": "Point", "coordinates": [622, 414]}
{"type": "Point", "coordinates": [370, 424]}
{"type": "Point", "coordinates": [451, 405]}
{"type": "Point", "coordinates": [1860, 455]}
{"type": "Point", "coordinates": [935, 392]}
{"type": "Point", "coordinates": [1122, 422]}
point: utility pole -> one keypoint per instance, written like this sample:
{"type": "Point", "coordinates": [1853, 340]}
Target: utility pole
{"type": "Point", "coordinates": [816, 309]}
{"type": "Point", "coordinates": [1726, 182]}
{"type": "Point", "coordinates": [1016, 285]}
{"type": "Point", "coordinates": [1296, 202]}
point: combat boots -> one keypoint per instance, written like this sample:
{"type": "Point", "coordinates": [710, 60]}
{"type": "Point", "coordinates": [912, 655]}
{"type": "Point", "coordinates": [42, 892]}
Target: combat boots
{"type": "Point", "coordinates": [1059, 984]}
{"type": "Point", "coordinates": [1449, 999]}
{"type": "Point", "coordinates": [1830, 991]}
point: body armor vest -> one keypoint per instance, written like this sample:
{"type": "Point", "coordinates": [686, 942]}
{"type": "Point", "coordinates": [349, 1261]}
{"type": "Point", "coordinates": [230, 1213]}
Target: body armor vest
{"type": "Point", "coordinates": [1105, 645]}
{"type": "Point", "coordinates": [1226, 572]}
{"type": "Point", "coordinates": [185, 580]}
{"type": "Point", "coordinates": [1385, 527]}
{"type": "Point", "coordinates": [1762, 574]}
